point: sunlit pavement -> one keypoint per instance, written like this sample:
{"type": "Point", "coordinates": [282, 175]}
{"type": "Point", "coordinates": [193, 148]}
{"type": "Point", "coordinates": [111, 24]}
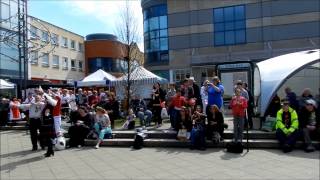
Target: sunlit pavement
{"type": "Point", "coordinates": [19, 162]}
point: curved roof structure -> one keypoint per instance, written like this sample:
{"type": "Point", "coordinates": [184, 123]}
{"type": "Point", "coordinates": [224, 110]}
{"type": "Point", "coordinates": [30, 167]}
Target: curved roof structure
{"type": "Point", "coordinates": [98, 78]}
{"type": "Point", "coordinates": [275, 71]}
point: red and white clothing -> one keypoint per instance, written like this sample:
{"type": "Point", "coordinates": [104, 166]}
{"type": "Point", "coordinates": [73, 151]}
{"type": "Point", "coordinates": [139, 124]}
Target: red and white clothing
{"type": "Point", "coordinates": [56, 113]}
{"type": "Point", "coordinates": [14, 110]}
{"type": "Point", "coordinates": [238, 105]}
{"type": "Point", "coordinates": [178, 102]}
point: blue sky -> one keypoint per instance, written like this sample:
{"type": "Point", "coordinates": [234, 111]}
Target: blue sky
{"type": "Point", "coordinates": [83, 16]}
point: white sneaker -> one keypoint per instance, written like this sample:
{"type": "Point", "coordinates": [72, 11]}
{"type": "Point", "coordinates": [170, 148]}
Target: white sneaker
{"type": "Point", "coordinates": [97, 147]}
{"type": "Point", "coordinates": [79, 146]}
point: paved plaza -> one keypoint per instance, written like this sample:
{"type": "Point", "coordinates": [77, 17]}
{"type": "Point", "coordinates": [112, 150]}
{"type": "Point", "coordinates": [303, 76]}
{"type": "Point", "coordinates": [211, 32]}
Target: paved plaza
{"type": "Point", "coordinates": [19, 162]}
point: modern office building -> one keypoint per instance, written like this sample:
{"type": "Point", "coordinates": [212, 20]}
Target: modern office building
{"type": "Point", "coordinates": [56, 54]}
{"type": "Point", "coordinates": [12, 38]}
{"type": "Point", "coordinates": [189, 37]}
{"type": "Point", "coordinates": [105, 51]}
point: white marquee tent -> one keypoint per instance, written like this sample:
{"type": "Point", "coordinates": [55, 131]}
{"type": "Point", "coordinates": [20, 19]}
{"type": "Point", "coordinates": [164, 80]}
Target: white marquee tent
{"type": "Point", "coordinates": [98, 78]}
{"type": "Point", "coordinates": [272, 73]}
{"type": "Point", "coordinates": [6, 85]}
{"type": "Point", "coordinates": [142, 76]}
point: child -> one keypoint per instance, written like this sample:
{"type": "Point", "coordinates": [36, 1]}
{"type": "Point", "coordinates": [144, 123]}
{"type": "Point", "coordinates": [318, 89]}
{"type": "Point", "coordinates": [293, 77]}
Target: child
{"type": "Point", "coordinates": [130, 123]}
{"type": "Point", "coordinates": [238, 105]}
{"type": "Point", "coordinates": [198, 130]}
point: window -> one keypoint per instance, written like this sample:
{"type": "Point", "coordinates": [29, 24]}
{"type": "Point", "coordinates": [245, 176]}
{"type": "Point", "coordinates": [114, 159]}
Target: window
{"type": "Point", "coordinates": [54, 39]}
{"type": "Point", "coordinates": [73, 64]}
{"type": "Point", "coordinates": [45, 59]}
{"type": "Point", "coordinates": [64, 42]}
{"type": "Point", "coordinates": [65, 63]}
{"type": "Point", "coordinates": [80, 46]}
{"type": "Point", "coordinates": [80, 66]}
{"type": "Point", "coordinates": [72, 44]}
{"type": "Point", "coordinates": [33, 32]}
{"type": "Point", "coordinates": [156, 34]}
{"type": "Point", "coordinates": [229, 25]}
{"type": "Point", "coordinates": [34, 57]}
{"type": "Point", "coordinates": [45, 36]}
{"type": "Point", "coordinates": [181, 74]}
{"type": "Point", "coordinates": [5, 12]}
{"type": "Point", "coordinates": [55, 61]}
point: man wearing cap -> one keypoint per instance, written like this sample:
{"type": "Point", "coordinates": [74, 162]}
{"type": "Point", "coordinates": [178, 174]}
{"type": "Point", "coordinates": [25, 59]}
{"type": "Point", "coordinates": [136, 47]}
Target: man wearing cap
{"type": "Point", "coordinates": [287, 125]}
{"type": "Point", "coordinates": [215, 93]}
{"type": "Point", "coordinates": [308, 122]}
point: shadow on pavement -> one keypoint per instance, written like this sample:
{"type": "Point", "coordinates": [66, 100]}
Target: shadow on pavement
{"type": "Point", "coordinates": [297, 153]}
{"type": "Point", "coordinates": [13, 165]}
{"type": "Point", "coordinates": [170, 150]}
{"type": "Point", "coordinates": [18, 154]}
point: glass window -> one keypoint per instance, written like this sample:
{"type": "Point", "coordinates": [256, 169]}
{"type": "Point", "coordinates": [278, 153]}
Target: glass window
{"type": "Point", "coordinates": [154, 43]}
{"type": "Point", "coordinates": [163, 44]}
{"type": "Point", "coordinates": [45, 59]}
{"type": "Point", "coordinates": [163, 22]}
{"type": "Point", "coordinates": [229, 37]}
{"type": "Point", "coordinates": [228, 14]}
{"type": "Point", "coordinates": [65, 63]}
{"type": "Point", "coordinates": [72, 44]}
{"type": "Point", "coordinates": [154, 34]}
{"type": "Point", "coordinates": [55, 61]}
{"type": "Point", "coordinates": [239, 12]}
{"type": "Point", "coordinates": [229, 25]}
{"type": "Point", "coordinates": [80, 66]}
{"type": "Point", "coordinates": [34, 57]}
{"type": "Point", "coordinates": [218, 15]}
{"type": "Point", "coordinates": [73, 64]}
{"type": "Point", "coordinates": [5, 12]}
{"type": "Point", "coordinates": [154, 23]}
{"type": "Point", "coordinates": [64, 42]}
{"type": "Point", "coordinates": [219, 27]}
{"type": "Point", "coordinates": [219, 38]}
{"type": "Point", "coordinates": [33, 32]}
{"type": "Point", "coordinates": [163, 33]}
{"type": "Point", "coordinates": [240, 36]}
{"type": "Point", "coordinates": [240, 25]}
{"type": "Point", "coordinates": [80, 47]}
{"type": "Point", "coordinates": [45, 36]}
{"type": "Point", "coordinates": [145, 25]}
{"type": "Point", "coordinates": [55, 39]}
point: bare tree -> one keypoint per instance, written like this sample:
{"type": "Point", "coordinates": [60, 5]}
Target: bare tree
{"type": "Point", "coordinates": [127, 32]}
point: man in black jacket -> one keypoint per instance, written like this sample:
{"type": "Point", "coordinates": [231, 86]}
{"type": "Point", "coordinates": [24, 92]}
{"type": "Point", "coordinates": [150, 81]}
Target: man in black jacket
{"type": "Point", "coordinates": [309, 122]}
{"type": "Point", "coordinates": [196, 91]}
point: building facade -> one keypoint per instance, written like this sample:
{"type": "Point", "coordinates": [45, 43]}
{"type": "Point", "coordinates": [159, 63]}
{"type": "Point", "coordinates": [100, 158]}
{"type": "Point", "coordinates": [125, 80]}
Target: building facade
{"type": "Point", "coordinates": [12, 37]}
{"type": "Point", "coordinates": [55, 54]}
{"type": "Point", "coordinates": [105, 51]}
{"type": "Point", "coordinates": [189, 38]}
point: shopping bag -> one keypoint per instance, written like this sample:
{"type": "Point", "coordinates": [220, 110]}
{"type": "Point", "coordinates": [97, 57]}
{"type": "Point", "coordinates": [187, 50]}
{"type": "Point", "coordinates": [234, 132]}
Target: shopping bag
{"type": "Point", "coordinates": [164, 113]}
{"type": "Point", "coordinates": [182, 134]}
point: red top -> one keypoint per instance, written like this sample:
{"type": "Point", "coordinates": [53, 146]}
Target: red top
{"type": "Point", "coordinates": [93, 100]}
{"type": "Point", "coordinates": [57, 108]}
{"type": "Point", "coordinates": [238, 105]}
{"type": "Point", "coordinates": [178, 102]}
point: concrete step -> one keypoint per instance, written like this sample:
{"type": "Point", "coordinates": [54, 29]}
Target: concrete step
{"type": "Point", "coordinates": [265, 143]}
{"type": "Point", "coordinates": [169, 134]}
{"type": "Point", "coordinates": [18, 127]}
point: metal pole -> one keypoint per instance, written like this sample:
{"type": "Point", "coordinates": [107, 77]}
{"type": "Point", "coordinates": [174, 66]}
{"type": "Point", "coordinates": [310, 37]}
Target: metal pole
{"type": "Point", "coordinates": [19, 49]}
{"type": "Point", "coordinates": [25, 45]}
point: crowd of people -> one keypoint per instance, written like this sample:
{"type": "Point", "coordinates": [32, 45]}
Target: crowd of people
{"type": "Point", "coordinates": [195, 113]}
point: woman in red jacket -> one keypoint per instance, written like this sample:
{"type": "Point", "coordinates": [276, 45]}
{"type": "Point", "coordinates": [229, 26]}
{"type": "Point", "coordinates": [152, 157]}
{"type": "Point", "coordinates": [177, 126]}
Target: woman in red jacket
{"type": "Point", "coordinates": [238, 105]}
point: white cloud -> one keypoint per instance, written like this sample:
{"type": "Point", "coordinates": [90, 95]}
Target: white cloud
{"type": "Point", "coordinates": [106, 12]}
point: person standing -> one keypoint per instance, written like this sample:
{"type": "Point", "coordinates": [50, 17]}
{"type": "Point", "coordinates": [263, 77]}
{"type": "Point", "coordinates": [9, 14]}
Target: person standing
{"type": "Point", "coordinates": [14, 109]}
{"type": "Point", "coordinates": [196, 91]}
{"type": "Point", "coordinates": [112, 107]}
{"type": "Point", "coordinates": [54, 100]}
{"type": "Point", "coordinates": [238, 105]}
{"type": "Point", "coordinates": [158, 97]}
{"type": "Point", "coordinates": [215, 93]}
{"type": "Point", "coordinates": [81, 98]}
{"type": "Point", "coordinates": [47, 131]}
{"type": "Point", "coordinates": [250, 106]}
{"type": "Point", "coordinates": [287, 125]}
{"type": "Point", "coordinates": [4, 109]}
{"type": "Point", "coordinates": [177, 102]}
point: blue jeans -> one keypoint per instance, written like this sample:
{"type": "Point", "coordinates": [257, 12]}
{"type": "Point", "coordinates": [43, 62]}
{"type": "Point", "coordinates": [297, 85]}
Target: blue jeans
{"type": "Point", "coordinates": [145, 121]}
{"type": "Point", "coordinates": [238, 123]}
{"type": "Point", "coordinates": [198, 137]}
{"type": "Point", "coordinates": [176, 117]}
{"type": "Point", "coordinates": [103, 131]}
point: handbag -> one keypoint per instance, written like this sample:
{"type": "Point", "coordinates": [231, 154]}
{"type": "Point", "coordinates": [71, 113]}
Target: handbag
{"type": "Point", "coordinates": [182, 134]}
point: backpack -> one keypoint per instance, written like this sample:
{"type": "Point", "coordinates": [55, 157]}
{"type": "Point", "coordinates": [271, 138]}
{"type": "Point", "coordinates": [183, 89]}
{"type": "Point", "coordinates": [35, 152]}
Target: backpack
{"type": "Point", "coordinates": [234, 147]}
{"type": "Point", "coordinates": [138, 141]}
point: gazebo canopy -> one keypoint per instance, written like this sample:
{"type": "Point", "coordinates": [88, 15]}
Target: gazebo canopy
{"type": "Point", "coordinates": [140, 75]}
{"type": "Point", "coordinates": [276, 71]}
{"type": "Point", "coordinates": [6, 85]}
{"type": "Point", "coordinates": [98, 78]}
